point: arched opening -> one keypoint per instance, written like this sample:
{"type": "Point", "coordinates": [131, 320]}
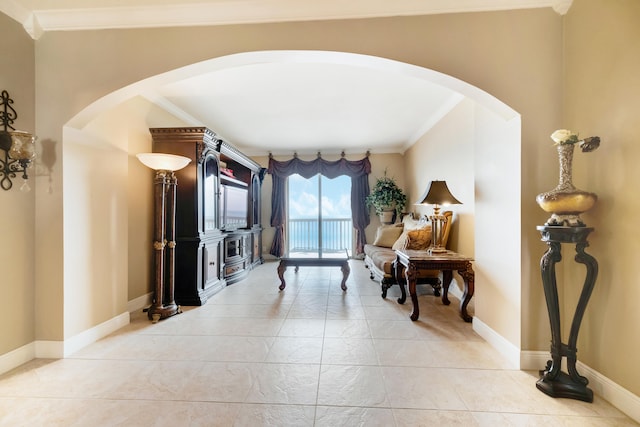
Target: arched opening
{"type": "Point", "coordinates": [116, 128]}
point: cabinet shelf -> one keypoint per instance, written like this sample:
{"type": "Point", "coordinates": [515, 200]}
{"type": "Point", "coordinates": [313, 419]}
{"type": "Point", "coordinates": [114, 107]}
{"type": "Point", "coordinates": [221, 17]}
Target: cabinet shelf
{"type": "Point", "coordinates": [228, 180]}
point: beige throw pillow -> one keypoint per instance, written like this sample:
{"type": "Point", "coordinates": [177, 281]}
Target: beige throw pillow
{"type": "Point", "coordinates": [387, 235]}
{"type": "Point", "coordinates": [410, 224]}
{"type": "Point", "coordinates": [419, 239]}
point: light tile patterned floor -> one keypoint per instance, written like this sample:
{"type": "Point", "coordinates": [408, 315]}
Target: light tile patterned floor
{"type": "Point", "coordinates": [310, 355]}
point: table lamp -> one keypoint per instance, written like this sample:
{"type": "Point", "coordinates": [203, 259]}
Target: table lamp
{"type": "Point", "coordinates": [438, 194]}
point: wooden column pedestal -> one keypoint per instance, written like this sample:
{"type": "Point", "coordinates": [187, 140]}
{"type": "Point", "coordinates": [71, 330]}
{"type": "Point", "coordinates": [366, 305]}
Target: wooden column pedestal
{"type": "Point", "coordinates": [164, 304]}
{"type": "Point", "coordinates": [552, 380]}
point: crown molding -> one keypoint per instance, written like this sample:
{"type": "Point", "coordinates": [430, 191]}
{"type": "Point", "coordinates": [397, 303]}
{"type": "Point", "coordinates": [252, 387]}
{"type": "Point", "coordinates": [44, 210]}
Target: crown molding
{"type": "Point", "coordinates": [91, 16]}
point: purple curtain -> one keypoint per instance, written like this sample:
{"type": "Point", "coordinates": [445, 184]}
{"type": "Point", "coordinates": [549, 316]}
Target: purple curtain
{"type": "Point", "coordinates": [358, 170]}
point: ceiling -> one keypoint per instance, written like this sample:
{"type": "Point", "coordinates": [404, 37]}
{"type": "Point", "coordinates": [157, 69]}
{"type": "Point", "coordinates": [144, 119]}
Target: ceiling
{"type": "Point", "coordinates": [281, 106]}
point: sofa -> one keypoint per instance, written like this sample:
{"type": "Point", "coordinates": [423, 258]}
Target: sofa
{"type": "Point", "coordinates": [411, 233]}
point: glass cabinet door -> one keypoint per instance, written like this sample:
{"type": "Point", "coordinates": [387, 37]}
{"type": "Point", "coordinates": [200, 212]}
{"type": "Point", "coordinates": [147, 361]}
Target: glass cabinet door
{"type": "Point", "coordinates": [210, 205]}
{"type": "Point", "coordinates": [255, 200]}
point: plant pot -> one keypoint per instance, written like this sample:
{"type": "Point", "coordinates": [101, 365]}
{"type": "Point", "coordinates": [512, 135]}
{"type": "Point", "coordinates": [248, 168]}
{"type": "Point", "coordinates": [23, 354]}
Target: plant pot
{"type": "Point", "coordinates": [386, 216]}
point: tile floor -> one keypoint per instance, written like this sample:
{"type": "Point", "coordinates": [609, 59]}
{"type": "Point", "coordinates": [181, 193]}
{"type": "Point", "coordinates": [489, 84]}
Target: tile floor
{"type": "Point", "coordinates": [308, 356]}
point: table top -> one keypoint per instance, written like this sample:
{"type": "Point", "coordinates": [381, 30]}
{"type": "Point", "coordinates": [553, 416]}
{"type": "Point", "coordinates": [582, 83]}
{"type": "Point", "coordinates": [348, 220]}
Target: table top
{"type": "Point", "coordinates": [314, 260]}
{"type": "Point", "coordinates": [422, 255]}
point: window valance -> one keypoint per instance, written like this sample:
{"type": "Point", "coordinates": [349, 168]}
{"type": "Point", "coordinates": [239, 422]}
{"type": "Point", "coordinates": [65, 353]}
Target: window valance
{"type": "Point", "coordinates": [358, 170]}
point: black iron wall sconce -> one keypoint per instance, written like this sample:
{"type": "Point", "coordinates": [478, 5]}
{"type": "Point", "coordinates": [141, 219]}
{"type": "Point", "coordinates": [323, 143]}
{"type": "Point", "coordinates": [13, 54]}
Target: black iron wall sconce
{"type": "Point", "coordinates": [19, 147]}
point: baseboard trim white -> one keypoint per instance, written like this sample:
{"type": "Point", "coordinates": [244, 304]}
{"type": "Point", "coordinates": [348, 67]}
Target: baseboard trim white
{"type": "Point", "coordinates": [140, 303]}
{"type": "Point", "coordinates": [17, 357]}
{"type": "Point", "coordinates": [41, 349]}
{"type": "Point", "coordinates": [497, 341]}
{"type": "Point", "coordinates": [602, 386]}
{"type": "Point", "coordinates": [92, 335]}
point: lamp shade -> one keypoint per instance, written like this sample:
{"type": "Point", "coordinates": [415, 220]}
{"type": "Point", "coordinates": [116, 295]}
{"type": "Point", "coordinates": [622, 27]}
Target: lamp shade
{"type": "Point", "coordinates": [161, 161]}
{"type": "Point", "coordinates": [439, 194]}
{"type": "Point", "coordinates": [23, 146]}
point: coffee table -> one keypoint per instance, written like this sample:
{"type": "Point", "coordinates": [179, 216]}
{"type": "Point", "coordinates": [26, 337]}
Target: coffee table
{"type": "Point", "coordinates": [412, 261]}
{"type": "Point", "coordinates": [343, 263]}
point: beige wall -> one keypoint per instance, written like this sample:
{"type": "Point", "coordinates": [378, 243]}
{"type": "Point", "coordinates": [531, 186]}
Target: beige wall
{"type": "Point", "coordinates": [515, 56]}
{"type": "Point", "coordinates": [478, 48]}
{"type": "Point", "coordinates": [602, 97]}
{"type": "Point", "coordinates": [17, 321]}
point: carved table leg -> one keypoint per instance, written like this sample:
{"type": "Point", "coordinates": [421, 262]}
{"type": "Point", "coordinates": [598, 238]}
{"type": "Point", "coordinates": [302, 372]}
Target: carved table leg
{"type": "Point", "coordinates": [447, 276]}
{"type": "Point", "coordinates": [410, 274]}
{"type": "Point", "coordinates": [385, 285]}
{"type": "Point", "coordinates": [469, 287]}
{"type": "Point", "coordinates": [398, 267]}
{"type": "Point", "coordinates": [345, 275]}
{"type": "Point", "coordinates": [281, 268]}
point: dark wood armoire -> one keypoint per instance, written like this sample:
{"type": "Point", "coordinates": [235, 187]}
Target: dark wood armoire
{"type": "Point", "coordinates": [218, 228]}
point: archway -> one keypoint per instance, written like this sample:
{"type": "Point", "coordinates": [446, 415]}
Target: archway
{"type": "Point", "coordinates": [118, 124]}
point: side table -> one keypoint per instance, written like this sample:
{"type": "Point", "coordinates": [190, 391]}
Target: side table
{"type": "Point", "coordinates": [552, 380]}
{"type": "Point", "coordinates": [412, 261]}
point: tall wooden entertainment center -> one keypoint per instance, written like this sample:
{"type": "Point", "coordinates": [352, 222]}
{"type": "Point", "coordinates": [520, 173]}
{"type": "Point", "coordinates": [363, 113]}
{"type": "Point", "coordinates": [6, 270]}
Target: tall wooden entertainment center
{"type": "Point", "coordinates": [218, 229]}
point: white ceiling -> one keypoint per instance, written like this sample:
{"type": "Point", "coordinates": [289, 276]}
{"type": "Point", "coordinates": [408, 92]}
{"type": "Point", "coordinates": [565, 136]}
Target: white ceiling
{"type": "Point", "coordinates": [281, 107]}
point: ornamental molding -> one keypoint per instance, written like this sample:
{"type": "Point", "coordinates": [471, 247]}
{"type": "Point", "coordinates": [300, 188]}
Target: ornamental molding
{"type": "Point", "coordinates": [91, 15]}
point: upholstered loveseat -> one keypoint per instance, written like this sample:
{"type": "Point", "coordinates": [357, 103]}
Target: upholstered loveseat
{"type": "Point", "coordinates": [409, 234]}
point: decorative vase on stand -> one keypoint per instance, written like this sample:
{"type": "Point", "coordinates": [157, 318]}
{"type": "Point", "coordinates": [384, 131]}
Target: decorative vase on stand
{"type": "Point", "coordinates": [566, 202]}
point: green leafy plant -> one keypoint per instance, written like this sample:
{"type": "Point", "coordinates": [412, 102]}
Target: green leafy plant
{"type": "Point", "coordinates": [386, 195]}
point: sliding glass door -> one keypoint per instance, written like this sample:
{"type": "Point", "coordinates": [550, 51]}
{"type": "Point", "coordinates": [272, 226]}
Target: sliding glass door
{"type": "Point", "coordinates": [319, 217]}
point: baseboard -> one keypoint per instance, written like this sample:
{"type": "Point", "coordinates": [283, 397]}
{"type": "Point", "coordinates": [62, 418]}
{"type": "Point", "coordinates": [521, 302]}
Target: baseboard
{"type": "Point", "coordinates": [603, 387]}
{"type": "Point", "coordinates": [17, 357]}
{"type": "Point", "coordinates": [41, 349]}
{"type": "Point", "coordinates": [140, 303]}
{"type": "Point", "coordinates": [94, 334]}
{"type": "Point", "coordinates": [497, 341]}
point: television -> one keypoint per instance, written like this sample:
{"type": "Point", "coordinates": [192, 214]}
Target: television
{"type": "Point", "coordinates": [234, 203]}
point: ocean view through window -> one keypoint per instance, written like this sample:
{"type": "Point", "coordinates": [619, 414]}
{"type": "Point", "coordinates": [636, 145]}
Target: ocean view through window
{"type": "Point", "coordinates": [319, 217]}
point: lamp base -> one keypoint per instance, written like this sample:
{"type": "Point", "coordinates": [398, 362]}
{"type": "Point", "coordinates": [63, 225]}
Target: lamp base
{"type": "Point", "coordinates": [156, 313]}
{"type": "Point", "coordinates": [433, 250]}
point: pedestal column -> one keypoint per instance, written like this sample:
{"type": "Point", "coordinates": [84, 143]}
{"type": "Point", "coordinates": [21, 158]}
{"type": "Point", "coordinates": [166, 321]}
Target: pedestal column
{"type": "Point", "coordinates": [553, 381]}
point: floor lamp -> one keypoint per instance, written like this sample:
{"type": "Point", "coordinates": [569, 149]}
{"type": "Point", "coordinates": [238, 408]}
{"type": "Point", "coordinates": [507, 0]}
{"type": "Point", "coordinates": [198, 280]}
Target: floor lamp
{"type": "Point", "coordinates": [438, 195]}
{"type": "Point", "coordinates": [165, 184]}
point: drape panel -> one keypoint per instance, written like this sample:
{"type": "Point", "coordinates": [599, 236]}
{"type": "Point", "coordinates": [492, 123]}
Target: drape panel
{"type": "Point", "coordinates": [357, 170]}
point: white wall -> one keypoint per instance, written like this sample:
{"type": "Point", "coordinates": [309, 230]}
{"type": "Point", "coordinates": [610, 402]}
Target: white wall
{"type": "Point", "coordinates": [453, 139]}
{"type": "Point", "coordinates": [482, 149]}
{"type": "Point", "coordinates": [498, 219]}
{"type": "Point", "coordinates": [103, 177]}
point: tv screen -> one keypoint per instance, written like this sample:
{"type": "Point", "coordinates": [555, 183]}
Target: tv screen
{"type": "Point", "coordinates": [234, 207]}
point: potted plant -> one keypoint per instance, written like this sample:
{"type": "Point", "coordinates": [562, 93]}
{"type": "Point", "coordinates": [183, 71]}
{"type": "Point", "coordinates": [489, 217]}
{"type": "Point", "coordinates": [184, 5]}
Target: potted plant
{"type": "Point", "coordinates": [386, 198]}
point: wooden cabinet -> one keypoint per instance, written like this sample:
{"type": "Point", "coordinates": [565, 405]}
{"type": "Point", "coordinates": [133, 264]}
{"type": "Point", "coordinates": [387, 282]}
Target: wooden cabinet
{"type": "Point", "coordinates": [217, 212]}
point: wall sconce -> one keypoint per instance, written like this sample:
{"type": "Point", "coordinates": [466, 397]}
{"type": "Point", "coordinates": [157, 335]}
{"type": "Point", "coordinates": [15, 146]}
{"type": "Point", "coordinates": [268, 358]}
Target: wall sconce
{"type": "Point", "coordinates": [438, 195]}
{"type": "Point", "coordinates": [19, 147]}
{"type": "Point", "coordinates": [165, 184]}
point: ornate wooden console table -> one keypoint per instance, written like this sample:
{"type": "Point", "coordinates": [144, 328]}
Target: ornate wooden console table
{"type": "Point", "coordinates": [552, 380]}
{"type": "Point", "coordinates": [411, 261]}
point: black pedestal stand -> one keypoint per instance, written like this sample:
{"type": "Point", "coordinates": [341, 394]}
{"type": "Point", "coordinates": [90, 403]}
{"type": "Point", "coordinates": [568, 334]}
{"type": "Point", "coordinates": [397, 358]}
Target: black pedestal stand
{"type": "Point", "coordinates": [552, 380]}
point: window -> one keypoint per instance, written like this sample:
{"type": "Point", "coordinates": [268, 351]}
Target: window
{"type": "Point", "coordinates": [319, 217]}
